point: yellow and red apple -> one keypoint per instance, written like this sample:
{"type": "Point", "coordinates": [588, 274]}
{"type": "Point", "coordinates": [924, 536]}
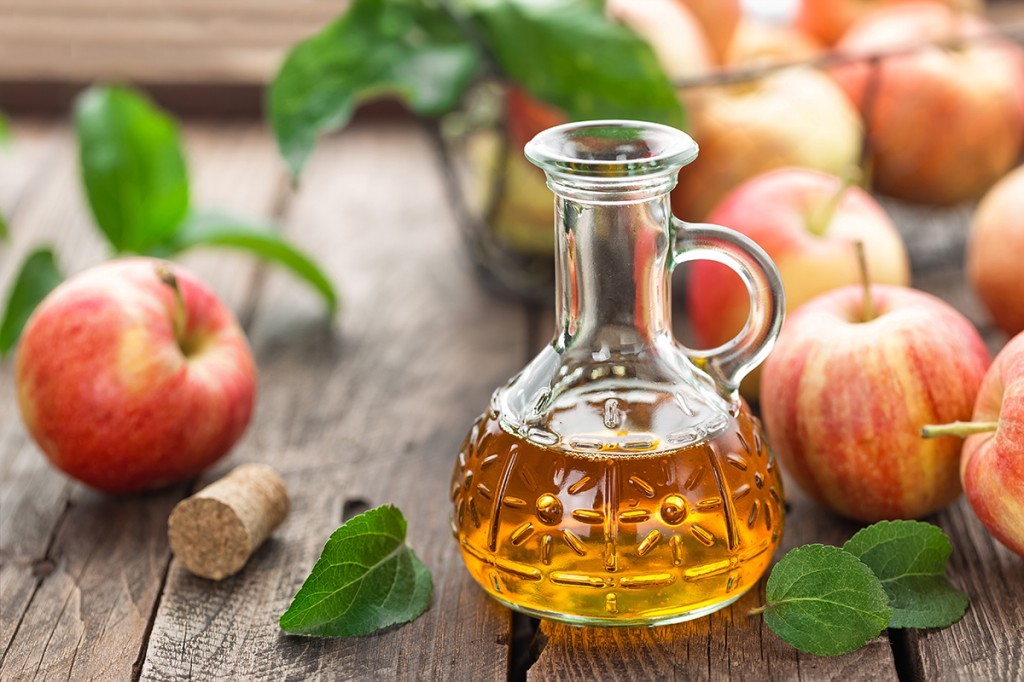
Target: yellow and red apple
{"type": "Point", "coordinates": [943, 122]}
{"type": "Point", "coordinates": [808, 222]}
{"type": "Point", "coordinates": [846, 391]}
{"type": "Point", "coordinates": [828, 20]}
{"type": "Point", "coordinates": [992, 464]}
{"type": "Point", "coordinates": [133, 375]}
{"type": "Point", "coordinates": [995, 252]}
{"type": "Point", "coordinates": [992, 461]}
{"type": "Point", "coordinates": [793, 117]}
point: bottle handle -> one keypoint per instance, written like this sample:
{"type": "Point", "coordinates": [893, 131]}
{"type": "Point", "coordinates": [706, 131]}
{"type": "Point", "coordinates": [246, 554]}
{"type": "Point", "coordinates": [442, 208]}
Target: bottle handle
{"type": "Point", "coordinates": [729, 363]}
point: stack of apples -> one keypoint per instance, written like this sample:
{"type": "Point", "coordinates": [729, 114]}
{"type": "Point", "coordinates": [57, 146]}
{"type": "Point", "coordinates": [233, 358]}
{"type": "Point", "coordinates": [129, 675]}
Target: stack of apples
{"type": "Point", "coordinates": [818, 118]}
{"type": "Point", "coordinates": [941, 118]}
{"type": "Point", "coordinates": [859, 370]}
{"type": "Point", "coordinates": [943, 111]}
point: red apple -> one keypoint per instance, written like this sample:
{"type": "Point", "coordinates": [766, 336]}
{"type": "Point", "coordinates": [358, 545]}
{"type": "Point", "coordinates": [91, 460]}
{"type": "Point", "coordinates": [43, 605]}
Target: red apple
{"type": "Point", "coordinates": [944, 123]}
{"type": "Point", "coordinates": [846, 391]}
{"type": "Point", "coordinates": [992, 464]}
{"type": "Point", "coordinates": [793, 117]}
{"type": "Point", "coordinates": [992, 461]}
{"type": "Point", "coordinates": [995, 251]}
{"type": "Point", "coordinates": [808, 223]}
{"type": "Point", "coordinates": [526, 116]}
{"type": "Point", "coordinates": [828, 20]}
{"type": "Point", "coordinates": [133, 375]}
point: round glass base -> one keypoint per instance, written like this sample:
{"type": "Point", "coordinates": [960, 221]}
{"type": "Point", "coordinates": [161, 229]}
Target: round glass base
{"type": "Point", "coordinates": [584, 621]}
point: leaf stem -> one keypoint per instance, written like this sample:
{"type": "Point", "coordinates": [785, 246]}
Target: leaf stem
{"type": "Point", "coordinates": [759, 610]}
{"type": "Point", "coordinates": [959, 429]}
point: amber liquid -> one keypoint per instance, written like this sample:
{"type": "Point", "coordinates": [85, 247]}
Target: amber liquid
{"type": "Point", "coordinates": [617, 538]}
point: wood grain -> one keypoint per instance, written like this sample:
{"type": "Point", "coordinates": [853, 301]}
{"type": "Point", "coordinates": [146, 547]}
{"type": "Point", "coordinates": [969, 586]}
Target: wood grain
{"type": "Point", "coordinates": [371, 411]}
{"type": "Point", "coordinates": [82, 572]}
{"type": "Point", "coordinates": [33, 497]}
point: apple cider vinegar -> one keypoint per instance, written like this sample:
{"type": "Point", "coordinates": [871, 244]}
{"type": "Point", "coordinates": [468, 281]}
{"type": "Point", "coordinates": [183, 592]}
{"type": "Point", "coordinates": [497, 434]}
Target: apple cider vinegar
{"type": "Point", "coordinates": [619, 536]}
{"type": "Point", "coordinates": [619, 479]}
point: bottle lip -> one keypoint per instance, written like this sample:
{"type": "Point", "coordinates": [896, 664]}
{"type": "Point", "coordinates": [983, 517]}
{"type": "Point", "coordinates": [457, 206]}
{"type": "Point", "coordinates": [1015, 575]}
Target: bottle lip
{"type": "Point", "coordinates": [612, 150]}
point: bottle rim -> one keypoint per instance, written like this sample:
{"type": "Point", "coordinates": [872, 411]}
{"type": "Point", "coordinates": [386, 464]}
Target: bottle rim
{"type": "Point", "coordinates": [612, 150]}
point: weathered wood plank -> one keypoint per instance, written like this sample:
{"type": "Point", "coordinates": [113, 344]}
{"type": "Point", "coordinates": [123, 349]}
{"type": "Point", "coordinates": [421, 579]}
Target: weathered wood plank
{"type": "Point", "coordinates": [33, 497]}
{"type": "Point", "coordinates": [368, 414]}
{"type": "Point", "coordinates": [154, 41]}
{"type": "Point", "coordinates": [89, 615]}
{"type": "Point", "coordinates": [81, 572]}
{"type": "Point", "coordinates": [31, 147]}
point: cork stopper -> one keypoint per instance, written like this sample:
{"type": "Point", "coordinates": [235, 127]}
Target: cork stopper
{"type": "Point", "coordinates": [214, 532]}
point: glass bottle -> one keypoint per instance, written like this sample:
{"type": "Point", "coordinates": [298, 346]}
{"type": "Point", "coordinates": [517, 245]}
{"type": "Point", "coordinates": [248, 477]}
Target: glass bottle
{"type": "Point", "coordinates": [619, 479]}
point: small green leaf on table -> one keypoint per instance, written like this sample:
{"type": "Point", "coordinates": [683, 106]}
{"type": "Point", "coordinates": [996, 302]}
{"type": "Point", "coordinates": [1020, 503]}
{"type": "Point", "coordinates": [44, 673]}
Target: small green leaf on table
{"type": "Point", "coordinates": [824, 600]}
{"type": "Point", "coordinates": [569, 54]}
{"type": "Point", "coordinates": [3, 227]}
{"type": "Point", "coordinates": [409, 48]}
{"type": "Point", "coordinates": [38, 277]}
{"type": "Point", "coordinates": [216, 229]}
{"type": "Point", "coordinates": [909, 558]}
{"type": "Point", "coordinates": [132, 167]}
{"type": "Point", "coordinates": [366, 579]}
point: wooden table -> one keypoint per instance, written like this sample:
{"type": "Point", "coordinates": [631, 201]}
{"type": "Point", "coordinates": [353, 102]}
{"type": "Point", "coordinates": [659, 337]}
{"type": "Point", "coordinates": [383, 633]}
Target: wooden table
{"type": "Point", "coordinates": [367, 412]}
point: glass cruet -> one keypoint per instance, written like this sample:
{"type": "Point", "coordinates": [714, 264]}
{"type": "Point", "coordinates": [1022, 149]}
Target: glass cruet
{"type": "Point", "coordinates": [619, 479]}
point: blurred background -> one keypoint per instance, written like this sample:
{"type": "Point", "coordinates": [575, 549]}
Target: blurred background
{"type": "Point", "coordinates": [921, 104]}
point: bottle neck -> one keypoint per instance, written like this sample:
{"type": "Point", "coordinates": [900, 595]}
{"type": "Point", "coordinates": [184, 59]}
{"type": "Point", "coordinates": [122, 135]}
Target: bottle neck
{"type": "Point", "coordinates": [612, 277]}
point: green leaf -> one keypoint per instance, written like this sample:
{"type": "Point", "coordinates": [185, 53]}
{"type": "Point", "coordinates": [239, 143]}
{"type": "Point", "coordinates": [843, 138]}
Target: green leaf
{"type": "Point", "coordinates": [366, 579]}
{"type": "Point", "coordinates": [3, 227]}
{"type": "Point", "coordinates": [409, 48]}
{"type": "Point", "coordinates": [132, 167]}
{"type": "Point", "coordinates": [909, 558]}
{"type": "Point", "coordinates": [215, 229]}
{"type": "Point", "coordinates": [570, 54]}
{"type": "Point", "coordinates": [824, 600]}
{"type": "Point", "coordinates": [5, 129]}
{"type": "Point", "coordinates": [38, 277]}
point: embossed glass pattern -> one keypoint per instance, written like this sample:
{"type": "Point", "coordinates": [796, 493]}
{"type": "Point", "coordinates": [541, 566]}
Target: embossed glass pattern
{"type": "Point", "coordinates": [619, 479]}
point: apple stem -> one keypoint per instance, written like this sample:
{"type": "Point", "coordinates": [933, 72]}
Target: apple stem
{"type": "Point", "coordinates": [819, 220]}
{"type": "Point", "coordinates": [960, 429]}
{"type": "Point", "coordinates": [862, 265]}
{"type": "Point", "coordinates": [171, 280]}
